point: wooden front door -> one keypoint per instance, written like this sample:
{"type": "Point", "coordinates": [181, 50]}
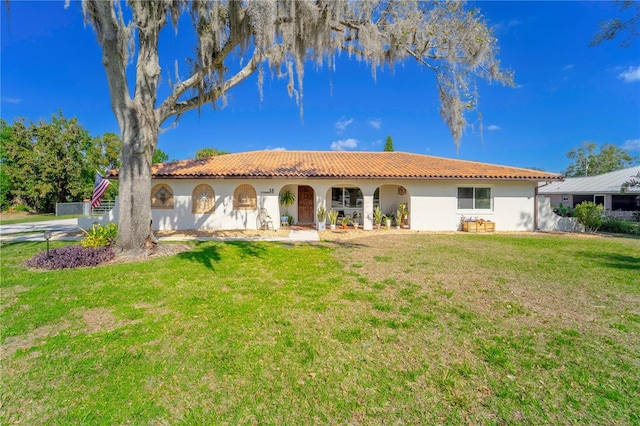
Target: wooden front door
{"type": "Point", "coordinates": [305, 204]}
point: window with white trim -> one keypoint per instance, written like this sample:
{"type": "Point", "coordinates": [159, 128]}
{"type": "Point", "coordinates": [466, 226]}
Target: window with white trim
{"type": "Point", "coordinates": [472, 198]}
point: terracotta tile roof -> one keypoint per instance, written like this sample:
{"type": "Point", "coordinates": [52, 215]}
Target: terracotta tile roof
{"type": "Point", "coordinates": [340, 164]}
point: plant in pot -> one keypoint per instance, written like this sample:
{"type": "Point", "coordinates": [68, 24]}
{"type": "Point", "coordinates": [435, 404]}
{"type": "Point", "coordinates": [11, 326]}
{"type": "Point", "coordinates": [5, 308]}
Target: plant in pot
{"type": "Point", "coordinates": [322, 216]}
{"type": "Point", "coordinates": [356, 220]}
{"type": "Point", "coordinates": [345, 222]}
{"type": "Point", "coordinates": [401, 215]}
{"type": "Point", "coordinates": [287, 198]}
{"type": "Point", "coordinates": [388, 218]}
{"type": "Point", "coordinates": [333, 218]}
{"type": "Point", "coordinates": [378, 217]}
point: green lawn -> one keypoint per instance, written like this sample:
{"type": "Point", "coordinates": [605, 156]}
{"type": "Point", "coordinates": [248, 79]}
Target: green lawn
{"type": "Point", "coordinates": [400, 329]}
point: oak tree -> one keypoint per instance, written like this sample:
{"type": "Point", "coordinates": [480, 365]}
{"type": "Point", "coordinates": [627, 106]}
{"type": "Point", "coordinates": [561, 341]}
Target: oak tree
{"type": "Point", "coordinates": [277, 37]}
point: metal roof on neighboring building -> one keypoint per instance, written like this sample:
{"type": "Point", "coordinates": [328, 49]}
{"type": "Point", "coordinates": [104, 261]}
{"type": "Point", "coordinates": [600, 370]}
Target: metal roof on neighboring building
{"type": "Point", "coordinates": [602, 184]}
{"type": "Point", "coordinates": [340, 164]}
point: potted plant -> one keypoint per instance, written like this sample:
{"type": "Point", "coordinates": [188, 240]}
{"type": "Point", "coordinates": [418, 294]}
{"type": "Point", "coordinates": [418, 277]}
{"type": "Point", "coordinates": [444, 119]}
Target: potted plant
{"type": "Point", "coordinates": [388, 219]}
{"type": "Point", "coordinates": [402, 214]}
{"type": "Point", "coordinates": [345, 222]}
{"type": "Point", "coordinates": [333, 218]}
{"type": "Point", "coordinates": [322, 216]}
{"type": "Point", "coordinates": [287, 198]}
{"type": "Point", "coordinates": [378, 217]}
{"type": "Point", "coordinates": [356, 220]}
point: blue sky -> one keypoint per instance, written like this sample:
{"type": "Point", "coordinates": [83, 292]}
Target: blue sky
{"type": "Point", "coordinates": [566, 92]}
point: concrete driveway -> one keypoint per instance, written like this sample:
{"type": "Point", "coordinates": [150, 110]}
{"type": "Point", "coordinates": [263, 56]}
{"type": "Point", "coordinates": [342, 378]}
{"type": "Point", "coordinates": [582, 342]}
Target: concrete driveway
{"type": "Point", "coordinates": [59, 228]}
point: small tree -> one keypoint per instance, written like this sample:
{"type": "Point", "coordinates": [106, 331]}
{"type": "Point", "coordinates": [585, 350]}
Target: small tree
{"type": "Point", "coordinates": [388, 145]}
{"type": "Point", "coordinates": [589, 214]}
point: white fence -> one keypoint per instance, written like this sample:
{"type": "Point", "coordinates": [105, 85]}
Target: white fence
{"type": "Point", "coordinates": [83, 208]}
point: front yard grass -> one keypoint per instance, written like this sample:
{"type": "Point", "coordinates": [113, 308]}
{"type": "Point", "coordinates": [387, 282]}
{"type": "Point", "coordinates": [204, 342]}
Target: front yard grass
{"type": "Point", "coordinates": [399, 329]}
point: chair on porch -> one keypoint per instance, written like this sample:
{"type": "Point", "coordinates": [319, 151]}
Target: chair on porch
{"type": "Point", "coordinates": [265, 220]}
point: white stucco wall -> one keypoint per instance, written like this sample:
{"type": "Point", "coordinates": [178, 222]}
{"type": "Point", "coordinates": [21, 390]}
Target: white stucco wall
{"type": "Point", "coordinates": [432, 203]}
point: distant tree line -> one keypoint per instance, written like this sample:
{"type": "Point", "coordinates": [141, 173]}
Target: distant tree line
{"type": "Point", "coordinates": [55, 161]}
{"type": "Point", "coordinates": [586, 161]}
{"type": "Point", "coordinates": [46, 163]}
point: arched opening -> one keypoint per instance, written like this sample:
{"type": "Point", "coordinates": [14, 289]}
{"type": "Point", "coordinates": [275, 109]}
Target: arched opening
{"type": "Point", "coordinates": [244, 198]}
{"type": "Point", "coordinates": [348, 201]}
{"type": "Point", "coordinates": [394, 201]}
{"type": "Point", "coordinates": [203, 199]}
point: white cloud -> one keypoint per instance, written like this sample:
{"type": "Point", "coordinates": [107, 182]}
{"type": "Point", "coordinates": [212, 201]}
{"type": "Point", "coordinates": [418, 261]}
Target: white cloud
{"type": "Point", "coordinates": [344, 144]}
{"type": "Point", "coordinates": [343, 123]}
{"type": "Point", "coordinates": [278, 148]}
{"type": "Point", "coordinates": [493, 127]}
{"type": "Point", "coordinates": [9, 100]}
{"type": "Point", "coordinates": [631, 145]}
{"type": "Point", "coordinates": [630, 75]}
{"type": "Point", "coordinates": [568, 67]}
{"type": "Point", "coordinates": [376, 123]}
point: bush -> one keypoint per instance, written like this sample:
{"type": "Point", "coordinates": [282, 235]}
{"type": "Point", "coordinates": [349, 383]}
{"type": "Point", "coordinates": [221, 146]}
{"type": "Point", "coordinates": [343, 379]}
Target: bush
{"type": "Point", "coordinates": [619, 226]}
{"type": "Point", "coordinates": [100, 235]}
{"type": "Point", "coordinates": [564, 211]}
{"type": "Point", "coordinates": [589, 214]}
{"type": "Point", "coordinates": [71, 257]}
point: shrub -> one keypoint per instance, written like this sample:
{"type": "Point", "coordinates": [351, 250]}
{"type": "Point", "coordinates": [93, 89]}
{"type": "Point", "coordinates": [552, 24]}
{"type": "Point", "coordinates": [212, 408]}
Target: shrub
{"type": "Point", "coordinates": [619, 226]}
{"type": "Point", "coordinates": [564, 211]}
{"type": "Point", "coordinates": [100, 235]}
{"type": "Point", "coordinates": [71, 257]}
{"type": "Point", "coordinates": [589, 214]}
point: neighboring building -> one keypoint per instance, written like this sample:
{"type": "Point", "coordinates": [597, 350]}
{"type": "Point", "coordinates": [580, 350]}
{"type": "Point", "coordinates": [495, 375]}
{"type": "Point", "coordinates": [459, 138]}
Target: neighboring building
{"type": "Point", "coordinates": [601, 189]}
{"type": "Point", "coordinates": [234, 191]}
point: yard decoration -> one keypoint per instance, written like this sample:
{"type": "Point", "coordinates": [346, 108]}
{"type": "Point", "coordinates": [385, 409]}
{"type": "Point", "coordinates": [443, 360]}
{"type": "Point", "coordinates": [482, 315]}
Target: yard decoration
{"type": "Point", "coordinates": [477, 225]}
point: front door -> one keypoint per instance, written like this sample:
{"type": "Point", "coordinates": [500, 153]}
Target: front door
{"type": "Point", "coordinates": [305, 204]}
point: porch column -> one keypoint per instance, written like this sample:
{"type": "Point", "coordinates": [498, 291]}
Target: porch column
{"type": "Point", "coordinates": [367, 212]}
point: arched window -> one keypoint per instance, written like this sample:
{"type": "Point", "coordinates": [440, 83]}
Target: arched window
{"type": "Point", "coordinates": [162, 197]}
{"type": "Point", "coordinates": [244, 198]}
{"type": "Point", "coordinates": [203, 199]}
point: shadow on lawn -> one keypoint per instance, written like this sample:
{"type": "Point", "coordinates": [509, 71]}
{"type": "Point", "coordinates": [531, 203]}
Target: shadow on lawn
{"type": "Point", "coordinates": [614, 260]}
{"type": "Point", "coordinates": [209, 254]}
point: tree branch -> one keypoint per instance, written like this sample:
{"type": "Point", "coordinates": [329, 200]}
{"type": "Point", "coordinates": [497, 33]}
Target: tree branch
{"type": "Point", "coordinates": [179, 108]}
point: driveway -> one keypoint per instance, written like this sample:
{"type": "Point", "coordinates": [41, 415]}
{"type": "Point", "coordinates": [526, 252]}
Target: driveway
{"type": "Point", "coordinates": [60, 226]}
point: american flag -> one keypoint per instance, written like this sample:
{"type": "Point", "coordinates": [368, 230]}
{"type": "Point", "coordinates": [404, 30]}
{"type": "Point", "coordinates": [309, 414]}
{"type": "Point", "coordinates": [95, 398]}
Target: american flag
{"type": "Point", "coordinates": [98, 190]}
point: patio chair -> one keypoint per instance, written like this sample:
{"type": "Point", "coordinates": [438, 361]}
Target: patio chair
{"type": "Point", "coordinates": [265, 220]}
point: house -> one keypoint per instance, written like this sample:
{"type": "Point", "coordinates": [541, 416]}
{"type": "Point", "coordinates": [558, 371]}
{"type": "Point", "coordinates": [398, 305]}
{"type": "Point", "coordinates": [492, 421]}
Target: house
{"type": "Point", "coordinates": [234, 191]}
{"type": "Point", "coordinates": [601, 189]}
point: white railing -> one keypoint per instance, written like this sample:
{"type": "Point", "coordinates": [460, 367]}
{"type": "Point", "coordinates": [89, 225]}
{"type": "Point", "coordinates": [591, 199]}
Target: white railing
{"type": "Point", "coordinates": [103, 208]}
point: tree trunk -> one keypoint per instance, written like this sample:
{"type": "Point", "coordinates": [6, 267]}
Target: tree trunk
{"type": "Point", "coordinates": [139, 138]}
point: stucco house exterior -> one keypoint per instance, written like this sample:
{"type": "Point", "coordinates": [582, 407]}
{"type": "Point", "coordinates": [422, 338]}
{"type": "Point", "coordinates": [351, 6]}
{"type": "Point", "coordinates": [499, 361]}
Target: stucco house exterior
{"type": "Point", "coordinates": [236, 191]}
{"type": "Point", "coordinates": [601, 189]}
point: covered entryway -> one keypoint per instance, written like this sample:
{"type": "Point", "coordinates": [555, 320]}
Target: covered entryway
{"type": "Point", "coordinates": [305, 205]}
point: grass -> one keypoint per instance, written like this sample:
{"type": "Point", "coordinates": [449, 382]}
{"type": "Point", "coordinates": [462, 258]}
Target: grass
{"type": "Point", "coordinates": [421, 329]}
